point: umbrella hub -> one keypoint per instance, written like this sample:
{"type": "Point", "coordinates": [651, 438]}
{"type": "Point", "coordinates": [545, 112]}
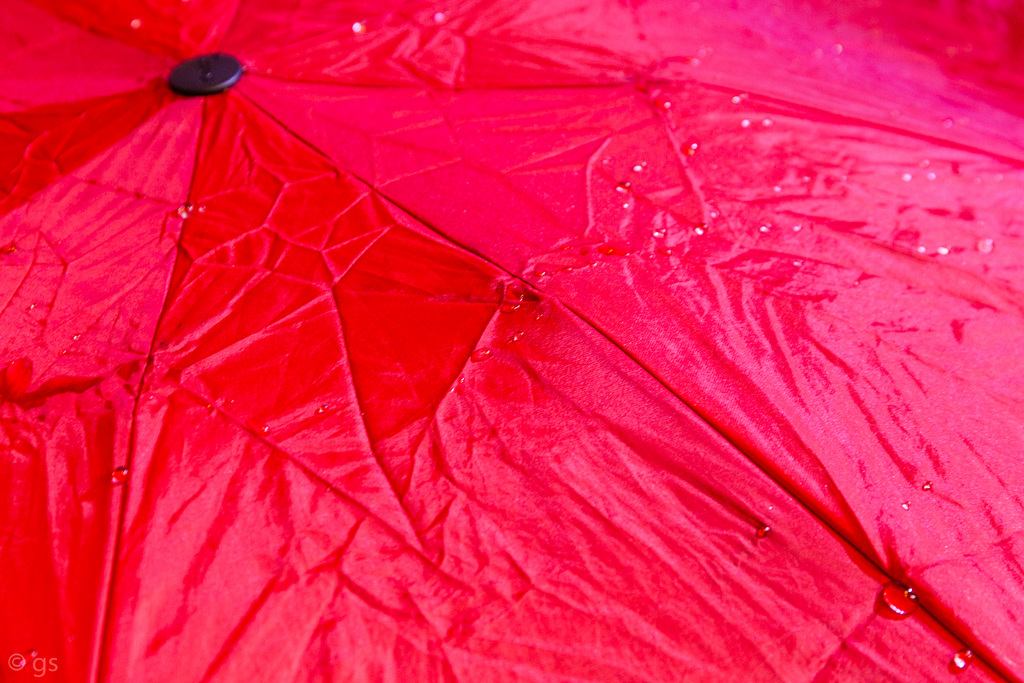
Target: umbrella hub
{"type": "Point", "coordinates": [205, 75]}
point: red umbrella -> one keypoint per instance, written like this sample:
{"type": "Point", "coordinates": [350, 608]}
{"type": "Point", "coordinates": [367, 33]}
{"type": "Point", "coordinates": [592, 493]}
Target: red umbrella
{"type": "Point", "coordinates": [550, 341]}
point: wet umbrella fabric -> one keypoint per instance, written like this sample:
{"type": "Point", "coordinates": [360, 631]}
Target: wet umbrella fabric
{"type": "Point", "coordinates": [512, 341]}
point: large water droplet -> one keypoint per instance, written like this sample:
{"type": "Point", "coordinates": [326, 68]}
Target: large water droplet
{"type": "Point", "coordinates": [439, 17]}
{"type": "Point", "coordinates": [745, 123]}
{"type": "Point", "coordinates": [517, 336]}
{"type": "Point", "coordinates": [481, 355]}
{"type": "Point", "coordinates": [358, 28]}
{"type": "Point", "coordinates": [623, 187]}
{"type": "Point", "coordinates": [943, 250]}
{"type": "Point", "coordinates": [119, 475]}
{"type": "Point", "coordinates": [927, 486]}
{"type": "Point", "coordinates": [962, 659]}
{"type": "Point", "coordinates": [899, 598]}
{"type": "Point", "coordinates": [15, 379]}
{"type": "Point", "coordinates": [763, 531]}
{"type": "Point", "coordinates": [639, 167]}
{"type": "Point", "coordinates": [185, 210]}
{"type": "Point", "coordinates": [136, 24]}
{"type": "Point", "coordinates": [986, 245]}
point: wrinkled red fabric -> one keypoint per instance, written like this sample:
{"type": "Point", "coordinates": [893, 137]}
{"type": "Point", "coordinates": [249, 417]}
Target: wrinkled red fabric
{"type": "Point", "coordinates": [513, 341]}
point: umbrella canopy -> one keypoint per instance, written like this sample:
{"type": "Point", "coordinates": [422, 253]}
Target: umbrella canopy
{"type": "Point", "coordinates": [543, 340]}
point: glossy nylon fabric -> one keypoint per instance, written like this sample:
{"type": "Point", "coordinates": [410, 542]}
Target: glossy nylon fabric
{"type": "Point", "coordinates": [478, 341]}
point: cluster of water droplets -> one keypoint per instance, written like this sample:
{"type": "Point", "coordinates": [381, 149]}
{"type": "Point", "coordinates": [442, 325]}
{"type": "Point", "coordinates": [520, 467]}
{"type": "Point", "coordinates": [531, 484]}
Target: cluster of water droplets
{"type": "Point", "coordinates": [187, 209]}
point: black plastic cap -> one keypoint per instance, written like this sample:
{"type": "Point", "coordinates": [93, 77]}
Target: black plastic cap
{"type": "Point", "coordinates": [205, 75]}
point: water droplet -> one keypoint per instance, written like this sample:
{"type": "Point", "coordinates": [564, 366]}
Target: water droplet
{"type": "Point", "coordinates": [665, 251]}
{"type": "Point", "coordinates": [736, 99]}
{"type": "Point", "coordinates": [119, 475]}
{"type": "Point", "coordinates": [943, 250]}
{"type": "Point", "coordinates": [509, 308]}
{"type": "Point", "coordinates": [10, 248]}
{"type": "Point", "coordinates": [481, 355]}
{"type": "Point", "coordinates": [986, 245]}
{"type": "Point", "coordinates": [638, 167]}
{"type": "Point", "coordinates": [777, 188]}
{"type": "Point", "coordinates": [924, 163]}
{"type": "Point", "coordinates": [266, 429]}
{"type": "Point", "coordinates": [837, 49]}
{"type": "Point", "coordinates": [962, 659]}
{"type": "Point", "coordinates": [690, 148]}
{"type": "Point", "coordinates": [609, 250]}
{"type": "Point", "coordinates": [699, 229]}
{"type": "Point", "coordinates": [185, 210]}
{"type": "Point", "coordinates": [32, 654]}
{"type": "Point", "coordinates": [76, 337]}
{"type": "Point", "coordinates": [947, 123]}
{"type": "Point", "coordinates": [766, 122]}
{"type": "Point", "coordinates": [659, 233]}
{"type": "Point", "coordinates": [31, 307]}
{"type": "Point", "coordinates": [798, 263]}
{"type": "Point", "coordinates": [931, 175]}
{"type": "Point", "coordinates": [905, 506]}
{"type": "Point", "coordinates": [899, 598]}
{"type": "Point", "coordinates": [358, 28]}
{"type": "Point", "coordinates": [662, 102]}
{"type": "Point", "coordinates": [321, 410]}
{"type": "Point", "coordinates": [906, 177]}
{"type": "Point", "coordinates": [927, 486]}
{"type": "Point", "coordinates": [136, 23]}
{"type": "Point", "coordinates": [515, 292]}
{"type": "Point", "coordinates": [764, 228]}
{"type": "Point", "coordinates": [763, 531]}
{"type": "Point", "coordinates": [797, 228]}
{"type": "Point", "coordinates": [439, 17]}
{"type": "Point", "coordinates": [623, 187]}
{"type": "Point", "coordinates": [713, 213]}
{"type": "Point", "coordinates": [517, 336]}
{"type": "Point", "coordinates": [745, 123]}
{"type": "Point", "coordinates": [15, 379]}
{"type": "Point", "coordinates": [921, 249]}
